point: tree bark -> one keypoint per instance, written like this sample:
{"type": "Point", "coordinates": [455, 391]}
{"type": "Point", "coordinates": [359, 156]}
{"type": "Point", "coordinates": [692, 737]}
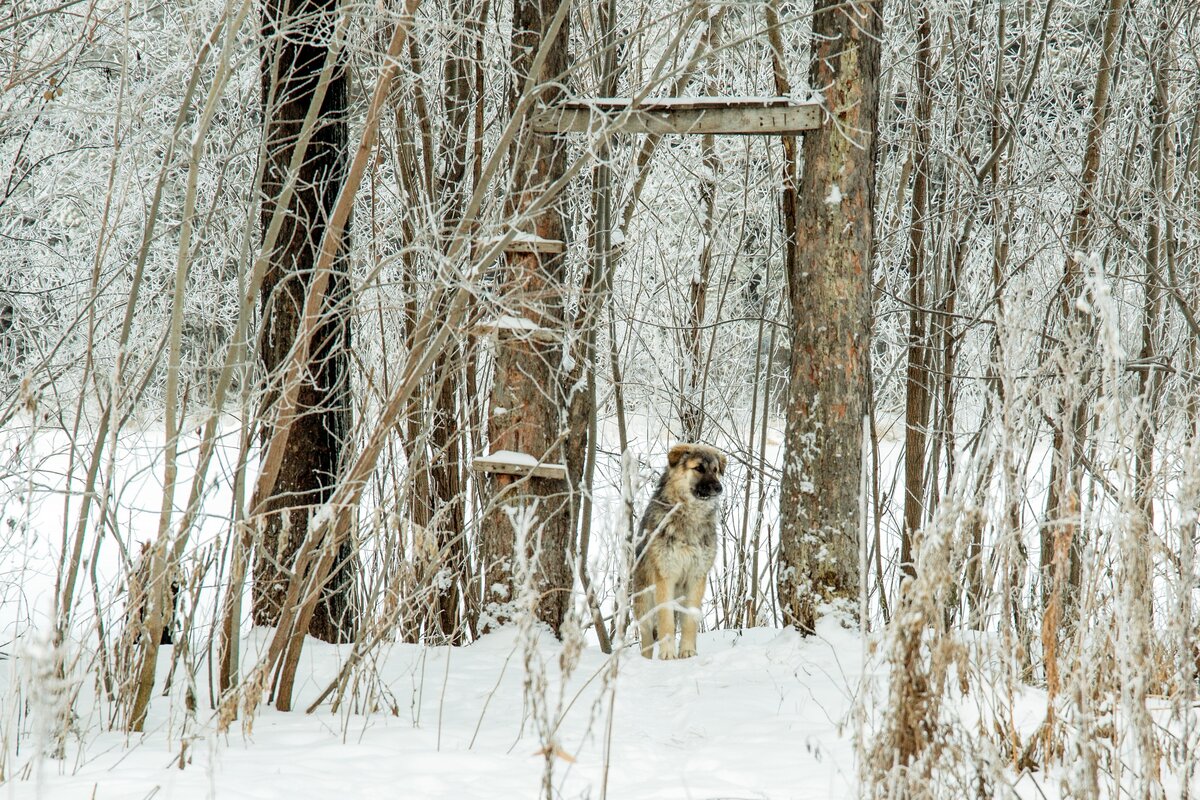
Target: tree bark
{"type": "Point", "coordinates": [829, 290]}
{"type": "Point", "coordinates": [1151, 376]}
{"type": "Point", "coordinates": [296, 40]}
{"type": "Point", "coordinates": [446, 431]}
{"type": "Point", "coordinates": [693, 377]}
{"type": "Point", "coordinates": [529, 400]}
{"type": "Point", "coordinates": [1061, 546]}
{"type": "Point", "coordinates": [917, 383]}
{"type": "Point", "coordinates": [435, 430]}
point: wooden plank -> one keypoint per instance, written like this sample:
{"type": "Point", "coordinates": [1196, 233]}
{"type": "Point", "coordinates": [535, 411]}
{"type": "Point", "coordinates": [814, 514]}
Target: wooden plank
{"type": "Point", "coordinates": [506, 462]}
{"type": "Point", "coordinates": [517, 328]}
{"type": "Point", "coordinates": [609, 104]}
{"type": "Point", "coordinates": [536, 244]}
{"type": "Point", "coordinates": [762, 116]}
{"type": "Point", "coordinates": [530, 243]}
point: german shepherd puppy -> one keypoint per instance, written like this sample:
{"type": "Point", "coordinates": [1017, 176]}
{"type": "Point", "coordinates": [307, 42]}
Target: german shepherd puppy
{"type": "Point", "coordinates": [675, 548]}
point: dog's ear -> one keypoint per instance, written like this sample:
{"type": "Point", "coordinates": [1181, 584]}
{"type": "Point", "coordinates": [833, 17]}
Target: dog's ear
{"type": "Point", "coordinates": [724, 462]}
{"type": "Point", "coordinates": [677, 454]}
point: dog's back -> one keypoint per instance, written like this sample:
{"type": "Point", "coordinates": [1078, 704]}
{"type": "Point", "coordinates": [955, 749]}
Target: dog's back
{"type": "Point", "coordinates": [676, 547]}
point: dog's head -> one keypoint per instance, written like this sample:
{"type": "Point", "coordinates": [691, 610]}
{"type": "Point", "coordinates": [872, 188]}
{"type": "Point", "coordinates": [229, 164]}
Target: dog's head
{"type": "Point", "coordinates": [695, 470]}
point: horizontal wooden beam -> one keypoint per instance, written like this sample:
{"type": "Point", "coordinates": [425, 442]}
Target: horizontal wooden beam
{"type": "Point", "coordinates": [747, 116]}
{"type": "Point", "coordinates": [507, 462]}
{"type": "Point", "coordinates": [530, 243]}
{"type": "Point", "coordinates": [516, 328]}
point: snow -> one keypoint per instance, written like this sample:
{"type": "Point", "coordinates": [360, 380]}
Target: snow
{"type": "Point", "coordinates": [760, 713]}
{"type": "Point", "coordinates": [508, 322]}
{"type": "Point", "coordinates": [568, 360]}
{"type": "Point", "coordinates": [525, 237]}
{"type": "Point", "coordinates": [321, 517]}
{"type": "Point", "coordinates": [513, 457]}
{"type": "Point", "coordinates": [697, 100]}
{"type": "Point", "coordinates": [754, 715]}
{"type": "Point", "coordinates": [533, 238]}
{"type": "Point", "coordinates": [518, 326]}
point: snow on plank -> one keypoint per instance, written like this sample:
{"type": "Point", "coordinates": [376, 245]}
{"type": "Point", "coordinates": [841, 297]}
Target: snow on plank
{"type": "Point", "coordinates": [523, 242]}
{"type": "Point", "coordinates": [510, 462]}
{"type": "Point", "coordinates": [515, 327]}
{"type": "Point", "coordinates": [739, 116]}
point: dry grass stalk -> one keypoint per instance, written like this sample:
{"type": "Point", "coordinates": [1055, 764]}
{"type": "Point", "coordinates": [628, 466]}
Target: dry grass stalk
{"type": "Point", "coordinates": [915, 739]}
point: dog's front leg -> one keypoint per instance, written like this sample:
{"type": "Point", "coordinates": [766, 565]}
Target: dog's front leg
{"type": "Point", "coordinates": [664, 607]}
{"type": "Point", "coordinates": [691, 618]}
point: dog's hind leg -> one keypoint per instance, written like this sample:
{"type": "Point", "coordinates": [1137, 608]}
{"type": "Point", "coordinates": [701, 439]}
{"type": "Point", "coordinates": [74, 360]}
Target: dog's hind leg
{"type": "Point", "coordinates": [691, 617]}
{"type": "Point", "coordinates": [643, 611]}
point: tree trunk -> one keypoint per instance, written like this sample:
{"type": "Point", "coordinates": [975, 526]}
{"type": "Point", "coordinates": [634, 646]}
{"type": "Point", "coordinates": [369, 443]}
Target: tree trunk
{"type": "Point", "coordinates": [446, 432]}
{"type": "Point", "coordinates": [296, 37]}
{"type": "Point", "coordinates": [1061, 546]}
{"type": "Point", "coordinates": [693, 378]}
{"type": "Point", "coordinates": [529, 402]}
{"type": "Point", "coordinates": [435, 446]}
{"type": "Point", "coordinates": [829, 289]}
{"type": "Point", "coordinates": [917, 384]}
{"type": "Point", "coordinates": [1151, 376]}
{"type": "Point", "coordinates": [594, 298]}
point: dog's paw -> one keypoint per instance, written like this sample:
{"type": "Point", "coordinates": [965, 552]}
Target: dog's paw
{"type": "Point", "coordinates": [686, 653]}
{"type": "Point", "coordinates": [666, 652]}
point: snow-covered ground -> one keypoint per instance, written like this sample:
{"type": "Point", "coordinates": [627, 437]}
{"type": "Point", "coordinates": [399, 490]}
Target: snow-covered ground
{"type": "Point", "coordinates": [759, 713]}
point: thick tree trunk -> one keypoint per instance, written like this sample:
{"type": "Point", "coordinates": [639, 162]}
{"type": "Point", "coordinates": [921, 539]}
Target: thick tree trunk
{"type": "Point", "coordinates": [529, 403]}
{"type": "Point", "coordinates": [829, 289]}
{"type": "Point", "coordinates": [296, 40]}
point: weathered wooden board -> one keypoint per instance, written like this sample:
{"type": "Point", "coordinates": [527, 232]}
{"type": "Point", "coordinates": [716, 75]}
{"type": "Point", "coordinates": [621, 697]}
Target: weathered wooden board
{"type": "Point", "coordinates": [749, 116]}
{"type": "Point", "coordinates": [531, 243]}
{"type": "Point", "coordinates": [516, 328]}
{"type": "Point", "coordinates": [509, 463]}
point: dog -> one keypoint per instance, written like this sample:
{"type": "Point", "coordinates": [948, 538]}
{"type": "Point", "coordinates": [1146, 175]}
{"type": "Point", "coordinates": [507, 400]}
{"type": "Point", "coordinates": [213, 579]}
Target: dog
{"type": "Point", "coordinates": [675, 547]}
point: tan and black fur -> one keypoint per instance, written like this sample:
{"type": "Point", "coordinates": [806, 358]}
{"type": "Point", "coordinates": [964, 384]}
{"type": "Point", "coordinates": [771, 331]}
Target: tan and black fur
{"type": "Point", "coordinates": [676, 547]}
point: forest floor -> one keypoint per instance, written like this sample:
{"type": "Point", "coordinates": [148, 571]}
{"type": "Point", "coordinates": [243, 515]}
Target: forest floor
{"type": "Point", "coordinates": [760, 713]}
